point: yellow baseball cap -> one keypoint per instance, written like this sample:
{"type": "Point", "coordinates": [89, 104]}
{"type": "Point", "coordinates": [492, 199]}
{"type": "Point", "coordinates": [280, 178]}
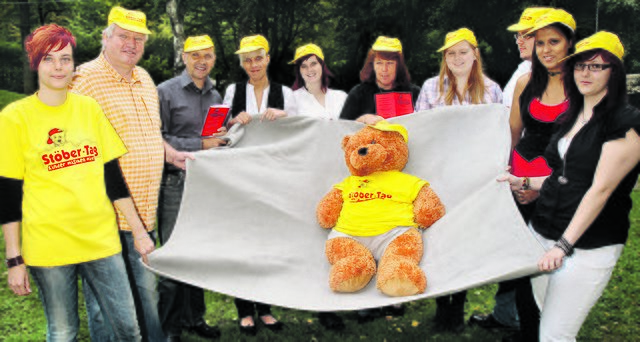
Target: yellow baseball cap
{"type": "Point", "coordinates": [600, 40]}
{"type": "Point", "coordinates": [309, 49]}
{"type": "Point", "coordinates": [528, 18]}
{"type": "Point", "coordinates": [253, 43]}
{"type": "Point", "coordinates": [198, 43]}
{"type": "Point", "coordinates": [456, 37]}
{"type": "Point", "coordinates": [384, 125]}
{"type": "Point", "coordinates": [387, 44]}
{"type": "Point", "coordinates": [554, 16]}
{"type": "Point", "coordinates": [135, 21]}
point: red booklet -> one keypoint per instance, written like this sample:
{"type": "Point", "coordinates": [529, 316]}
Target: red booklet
{"type": "Point", "coordinates": [393, 104]}
{"type": "Point", "coordinates": [215, 119]}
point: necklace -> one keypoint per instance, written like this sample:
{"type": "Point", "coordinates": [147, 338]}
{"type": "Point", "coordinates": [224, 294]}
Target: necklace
{"type": "Point", "coordinates": [552, 73]}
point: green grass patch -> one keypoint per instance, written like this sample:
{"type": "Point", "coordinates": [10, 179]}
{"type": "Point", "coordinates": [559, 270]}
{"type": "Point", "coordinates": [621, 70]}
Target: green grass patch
{"type": "Point", "coordinates": [7, 97]}
{"type": "Point", "coordinates": [616, 316]}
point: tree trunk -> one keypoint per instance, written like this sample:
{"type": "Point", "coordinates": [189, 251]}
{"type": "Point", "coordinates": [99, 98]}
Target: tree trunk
{"type": "Point", "coordinates": [28, 82]}
{"type": "Point", "coordinates": [177, 27]}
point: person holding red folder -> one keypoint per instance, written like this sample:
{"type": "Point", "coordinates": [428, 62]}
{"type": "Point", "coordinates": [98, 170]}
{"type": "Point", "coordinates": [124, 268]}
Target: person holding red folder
{"type": "Point", "coordinates": [384, 72]}
{"type": "Point", "coordinates": [184, 105]}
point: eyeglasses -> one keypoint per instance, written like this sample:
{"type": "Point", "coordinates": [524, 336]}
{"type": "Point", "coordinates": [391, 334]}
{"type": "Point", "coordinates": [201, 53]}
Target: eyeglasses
{"type": "Point", "coordinates": [592, 67]}
{"type": "Point", "coordinates": [517, 36]}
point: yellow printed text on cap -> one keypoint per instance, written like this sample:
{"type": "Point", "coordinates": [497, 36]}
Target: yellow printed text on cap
{"type": "Point", "coordinates": [309, 49]}
{"type": "Point", "coordinates": [528, 18]}
{"type": "Point", "coordinates": [135, 21]}
{"type": "Point", "coordinates": [253, 43]}
{"type": "Point", "coordinates": [198, 43]}
{"type": "Point", "coordinates": [554, 16]}
{"type": "Point", "coordinates": [457, 36]}
{"type": "Point", "coordinates": [387, 44]}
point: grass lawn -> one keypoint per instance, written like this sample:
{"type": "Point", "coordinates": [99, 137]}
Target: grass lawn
{"type": "Point", "coordinates": [7, 97]}
{"type": "Point", "coordinates": [616, 317]}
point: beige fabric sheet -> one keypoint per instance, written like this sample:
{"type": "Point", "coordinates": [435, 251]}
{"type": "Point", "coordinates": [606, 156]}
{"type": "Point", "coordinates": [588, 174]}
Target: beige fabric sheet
{"type": "Point", "coordinates": [247, 225]}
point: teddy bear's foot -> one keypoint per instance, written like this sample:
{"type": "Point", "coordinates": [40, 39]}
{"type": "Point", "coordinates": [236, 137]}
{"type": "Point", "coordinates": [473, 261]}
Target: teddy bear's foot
{"type": "Point", "coordinates": [351, 274]}
{"type": "Point", "coordinates": [401, 277]}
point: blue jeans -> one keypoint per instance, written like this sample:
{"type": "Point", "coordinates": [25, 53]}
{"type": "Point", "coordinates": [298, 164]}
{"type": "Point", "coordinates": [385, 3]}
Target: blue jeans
{"type": "Point", "coordinates": [181, 305]}
{"type": "Point", "coordinates": [505, 310]}
{"type": "Point", "coordinates": [107, 277]}
{"type": "Point", "coordinates": [142, 283]}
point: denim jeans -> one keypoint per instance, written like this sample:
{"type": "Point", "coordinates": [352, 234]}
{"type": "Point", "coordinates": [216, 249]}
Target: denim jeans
{"type": "Point", "coordinates": [107, 277]}
{"type": "Point", "coordinates": [142, 284]}
{"type": "Point", "coordinates": [505, 310]}
{"type": "Point", "coordinates": [181, 305]}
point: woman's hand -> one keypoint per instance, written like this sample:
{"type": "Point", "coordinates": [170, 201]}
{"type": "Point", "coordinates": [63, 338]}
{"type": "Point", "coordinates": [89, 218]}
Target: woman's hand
{"type": "Point", "coordinates": [242, 118]}
{"type": "Point", "coordinates": [18, 279]}
{"type": "Point", "coordinates": [369, 119]}
{"type": "Point", "coordinates": [551, 260]}
{"type": "Point", "coordinates": [526, 196]}
{"type": "Point", "coordinates": [273, 113]}
{"type": "Point", "coordinates": [514, 182]}
{"type": "Point", "coordinates": [143, 245]}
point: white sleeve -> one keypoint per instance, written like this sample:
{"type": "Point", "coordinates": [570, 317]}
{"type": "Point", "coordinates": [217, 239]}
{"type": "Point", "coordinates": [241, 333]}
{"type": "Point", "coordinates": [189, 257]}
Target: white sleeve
{"type": "Point", "coordinates": [228, 95]}
{"type": "Point", "coordinates": [290, 105]}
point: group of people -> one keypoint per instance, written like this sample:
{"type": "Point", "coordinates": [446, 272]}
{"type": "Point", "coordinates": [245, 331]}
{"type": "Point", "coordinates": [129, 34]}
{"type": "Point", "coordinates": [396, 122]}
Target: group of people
{"type": "Point", "coordinates": [105, 137]}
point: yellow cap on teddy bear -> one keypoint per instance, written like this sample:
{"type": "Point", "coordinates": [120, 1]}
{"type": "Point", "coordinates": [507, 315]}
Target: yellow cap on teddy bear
{"type": "Point", "coordinates": [389, 127]}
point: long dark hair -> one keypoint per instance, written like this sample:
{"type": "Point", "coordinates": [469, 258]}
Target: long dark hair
{"type": "Point", "coordinates": [616, 88]}
{"type": "Point", "coordinates": [367, 74]}
{"type": "Point", "coordinates": [299, 82]}
{"type": "Point", "coordinates": [539, 74]}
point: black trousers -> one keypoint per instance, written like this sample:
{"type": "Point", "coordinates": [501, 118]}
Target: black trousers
{"type": "Point", "coordinates": [528, 310]}
{"type": "Point", "coordinates": [181, 305]}
{"type": "Point", "coordinates": [249, 308]}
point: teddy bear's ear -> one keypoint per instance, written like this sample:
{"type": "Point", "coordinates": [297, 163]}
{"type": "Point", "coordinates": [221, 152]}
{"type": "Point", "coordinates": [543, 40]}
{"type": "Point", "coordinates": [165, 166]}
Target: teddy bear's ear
{"type": "Point", "coordinates": [345, 141]}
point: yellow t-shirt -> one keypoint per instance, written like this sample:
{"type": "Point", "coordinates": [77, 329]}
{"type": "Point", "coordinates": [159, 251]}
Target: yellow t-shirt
{"type": "Point", "coordinates": [59, 152]}
{"type": "Point", "coordinates": [377, 203]}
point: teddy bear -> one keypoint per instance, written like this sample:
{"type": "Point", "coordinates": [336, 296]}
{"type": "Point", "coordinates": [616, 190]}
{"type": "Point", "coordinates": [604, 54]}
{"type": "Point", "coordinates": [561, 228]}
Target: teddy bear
{"type": "Point", "coordinates": [375, 214]}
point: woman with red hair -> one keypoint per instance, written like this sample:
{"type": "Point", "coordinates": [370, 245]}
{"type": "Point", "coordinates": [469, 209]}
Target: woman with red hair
{"type": "Point", "coordinates": [59, 175]}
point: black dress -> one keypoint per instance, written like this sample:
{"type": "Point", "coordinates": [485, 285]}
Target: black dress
{"type": "Point", "coordinates": [527, 160]}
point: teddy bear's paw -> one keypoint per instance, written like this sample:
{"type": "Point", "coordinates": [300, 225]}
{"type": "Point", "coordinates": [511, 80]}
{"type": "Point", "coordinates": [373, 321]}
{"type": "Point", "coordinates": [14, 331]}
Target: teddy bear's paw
{"type": "Point", "coordinates": [351, 274]}
{"type": "Point", "coordinates": [398, 278]}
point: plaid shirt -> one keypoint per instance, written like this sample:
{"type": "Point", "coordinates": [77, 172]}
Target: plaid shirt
{"type": "Point", "coordinates": [430, 96]}
{"type": "Point", "coordinates": [132, 109]}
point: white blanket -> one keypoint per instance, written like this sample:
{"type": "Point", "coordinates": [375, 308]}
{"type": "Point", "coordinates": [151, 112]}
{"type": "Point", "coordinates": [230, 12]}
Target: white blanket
{"type": "Point", "coordinates": [247, 225]}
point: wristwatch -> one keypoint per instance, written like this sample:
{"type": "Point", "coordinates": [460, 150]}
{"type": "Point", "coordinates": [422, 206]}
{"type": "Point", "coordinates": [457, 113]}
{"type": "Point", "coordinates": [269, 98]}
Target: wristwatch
{"type": "Point", "coordinates": [14, 261]}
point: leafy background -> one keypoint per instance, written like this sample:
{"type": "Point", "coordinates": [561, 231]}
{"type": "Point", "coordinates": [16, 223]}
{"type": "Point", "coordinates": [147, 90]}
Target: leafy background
{"type": "Point", "coordinates": [345, 29]}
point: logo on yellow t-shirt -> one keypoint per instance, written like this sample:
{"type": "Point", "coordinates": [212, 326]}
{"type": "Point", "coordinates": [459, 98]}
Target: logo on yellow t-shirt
{"type": "Point", "coordinates": [361, 195]}
{"type": "Point", "coordinates": [64, 153]}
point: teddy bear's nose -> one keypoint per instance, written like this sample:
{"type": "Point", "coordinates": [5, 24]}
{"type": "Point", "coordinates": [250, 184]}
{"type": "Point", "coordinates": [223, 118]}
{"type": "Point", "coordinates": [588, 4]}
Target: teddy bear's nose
{"type": "Point", "coordinates": [363, 151]}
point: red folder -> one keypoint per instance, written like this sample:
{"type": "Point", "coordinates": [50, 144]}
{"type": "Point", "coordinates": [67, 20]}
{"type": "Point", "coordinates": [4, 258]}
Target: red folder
{"type": "Point", "coordinates": [393, 104]}
{"type": "Point", "coordinates": [215, 119]}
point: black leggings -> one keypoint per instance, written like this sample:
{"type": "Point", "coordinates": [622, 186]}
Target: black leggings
{"type": "Point", "coordinates": [528, 310]}
{"type": "Point", "coordinates": [249, 308]}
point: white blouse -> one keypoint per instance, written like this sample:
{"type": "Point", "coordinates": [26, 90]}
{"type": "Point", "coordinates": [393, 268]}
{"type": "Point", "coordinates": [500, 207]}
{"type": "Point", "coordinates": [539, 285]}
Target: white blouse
{"type": "Point", "coordinates": [308, 105]}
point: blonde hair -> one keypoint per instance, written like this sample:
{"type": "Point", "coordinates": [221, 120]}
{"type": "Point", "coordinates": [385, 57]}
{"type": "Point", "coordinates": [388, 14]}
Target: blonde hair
{"type": "Point", "coordinates": [475, 84]}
